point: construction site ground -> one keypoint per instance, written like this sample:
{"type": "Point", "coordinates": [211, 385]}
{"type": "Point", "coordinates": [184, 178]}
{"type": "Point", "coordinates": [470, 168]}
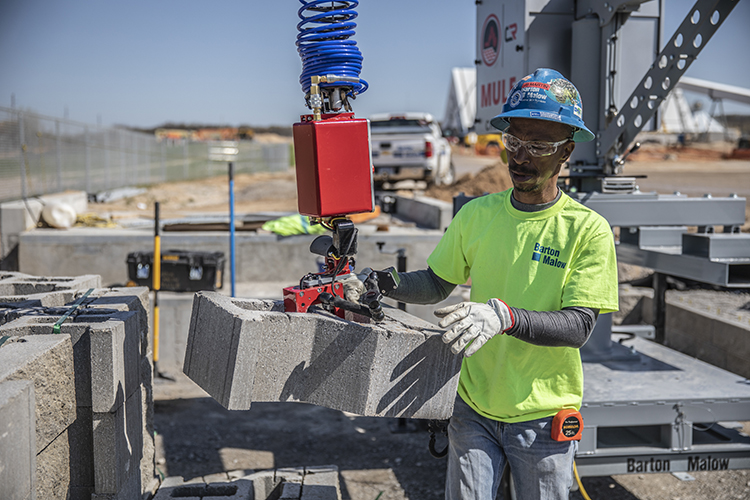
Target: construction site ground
{"type": "Point", "coordinates": [378, 458]}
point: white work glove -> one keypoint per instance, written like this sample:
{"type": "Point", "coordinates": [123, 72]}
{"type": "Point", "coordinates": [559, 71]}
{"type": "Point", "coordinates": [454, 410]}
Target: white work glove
{"type": "Point", "coordinates": [354, 284]}
{"type": "Point", "coordinates": [474, 322]}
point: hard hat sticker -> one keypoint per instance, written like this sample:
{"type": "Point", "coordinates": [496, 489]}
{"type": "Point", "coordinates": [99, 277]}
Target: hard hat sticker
{"type": "Point", "coordinates": [563, 92]}
{"type": "Point", "coordinates": [545, 114]}
{"type": "Point", "coordinates": [515, 99]}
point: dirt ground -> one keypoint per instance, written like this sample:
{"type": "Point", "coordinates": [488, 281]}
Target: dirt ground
{"type": "Point", "coordinates": [378, 458]}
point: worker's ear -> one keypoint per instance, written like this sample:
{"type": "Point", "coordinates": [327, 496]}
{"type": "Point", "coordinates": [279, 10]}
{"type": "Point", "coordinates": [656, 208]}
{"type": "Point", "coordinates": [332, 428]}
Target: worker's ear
{"type": "Point", "coordinates": [568, 148]}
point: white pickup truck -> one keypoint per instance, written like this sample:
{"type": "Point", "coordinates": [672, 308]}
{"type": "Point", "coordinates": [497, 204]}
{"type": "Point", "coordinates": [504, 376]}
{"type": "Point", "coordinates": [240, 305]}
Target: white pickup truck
{"type": "Point", "coordinates": [410, 146]}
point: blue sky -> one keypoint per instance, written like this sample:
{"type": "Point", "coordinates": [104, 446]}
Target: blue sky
{"type": "Point", "coordinates": [143, 63]}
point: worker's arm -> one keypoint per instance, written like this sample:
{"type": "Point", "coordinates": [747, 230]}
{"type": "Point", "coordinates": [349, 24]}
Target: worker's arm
{"type": "Point", "coordinates": [421, 287]}
{"type": "Point", "coordinates": [570, 327]}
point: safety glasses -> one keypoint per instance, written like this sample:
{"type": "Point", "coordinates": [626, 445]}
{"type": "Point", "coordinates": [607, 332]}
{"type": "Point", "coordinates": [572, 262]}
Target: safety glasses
{"type": "Point", "coordinates": [534, 148]}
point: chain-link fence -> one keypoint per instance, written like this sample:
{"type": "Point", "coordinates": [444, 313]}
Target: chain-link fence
{"type": "Point", "coordinates": [40, 155]}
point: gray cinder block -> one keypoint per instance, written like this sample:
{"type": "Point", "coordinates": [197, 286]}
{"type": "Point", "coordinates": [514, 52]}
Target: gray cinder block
{"type": "Point", "coordinates": [23, 284]}
{"type": "Point", "coordinates": [106, 352]}
{"type": "Point", "coordinates": [131, 490]}
{"type": "Point", "coordinates": [46, 360]}
{"type": "Point", "coordinates": [17, 440]}
{"type": "Point", "coordinates": [118, 445]}
{"type": "Point", "coordinates": [206, 489]}
{"type": "Point", "coordinates": [53, 465]}
{"type": "Point", "coordinates": [321, 483]}
{"type": "Point", "coordinates": [240, 351]}
{"type": "Point", "coordinates": [425, 211]}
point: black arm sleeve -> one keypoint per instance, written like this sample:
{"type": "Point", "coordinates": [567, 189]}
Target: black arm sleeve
{"type": "Point", "coordinates": [421, 287]}
{"type": "Point", "coordinates": [570, 327]}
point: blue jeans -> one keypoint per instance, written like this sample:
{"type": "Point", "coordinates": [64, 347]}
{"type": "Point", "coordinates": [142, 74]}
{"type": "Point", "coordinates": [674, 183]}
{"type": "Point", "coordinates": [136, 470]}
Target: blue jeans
{"type": "Point", "coordinates": [541, 468]}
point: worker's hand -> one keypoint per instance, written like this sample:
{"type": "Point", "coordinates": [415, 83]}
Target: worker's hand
{"type": "Point", "coordinates": [474, 322]}
{"type": "Point", "coordinates": [354, 285]}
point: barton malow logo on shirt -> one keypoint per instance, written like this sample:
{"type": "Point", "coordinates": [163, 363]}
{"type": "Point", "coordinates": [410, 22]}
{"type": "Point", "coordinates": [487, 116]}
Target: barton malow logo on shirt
{"type": "Point", "coordinates": [547, 255]}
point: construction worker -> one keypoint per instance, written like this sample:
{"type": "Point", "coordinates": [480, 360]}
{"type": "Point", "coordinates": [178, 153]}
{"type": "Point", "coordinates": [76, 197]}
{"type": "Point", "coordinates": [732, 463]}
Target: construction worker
{"type": "Point", "coordinates": [542, 267]}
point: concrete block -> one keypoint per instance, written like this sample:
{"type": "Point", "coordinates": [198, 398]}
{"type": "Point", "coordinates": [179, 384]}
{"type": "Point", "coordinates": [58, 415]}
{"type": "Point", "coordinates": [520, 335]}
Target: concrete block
{"type": "Point", "coordinates": [321, 483]}
{"type": "Point", "coordinates": [17, 440]}
{"type": "Point", "coordinates": [115, 360]}
{"type": "Point", "coordinates": [148, 457]}
{"type": "Point", "coordinates": [425, 211]}
{"type": "Point", "coordinates": [131, 490]}
{"type": "Point", "coordinates": [290, 491]}
{"type": "Point", "coordinates": [243, 350]}
{"type": "Point", "coordinates": [206, 488]}
{"type": "Point", "coordinates": [81, 493]}
{"type": "Point", "coordinates": [118, 445]}
{"type": "Point", "coordinates": [106, 352]}
{"type": "Point", "coordinates": [134, 299]}
{"type": "Point", "coordinates": [29, 285]}
{"type": "Point", "coordinates": [46, 360]}
{"type": "Point", "coordinates": [53, 466]}
{"type": "Point", "coordinates": [81, 439]}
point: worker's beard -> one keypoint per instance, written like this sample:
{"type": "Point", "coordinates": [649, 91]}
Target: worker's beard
{"type": "Point", "coordinates": [535, 182]}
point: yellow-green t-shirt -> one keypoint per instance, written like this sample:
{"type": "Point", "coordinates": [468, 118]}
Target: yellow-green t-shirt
{"type": "Point", "coordinates": [563, 256]}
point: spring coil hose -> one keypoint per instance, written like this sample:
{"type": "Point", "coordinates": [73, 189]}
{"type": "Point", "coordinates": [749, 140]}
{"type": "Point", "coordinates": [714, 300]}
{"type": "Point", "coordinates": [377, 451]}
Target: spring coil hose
{"type": "Point", "coordinates": [323, 43]}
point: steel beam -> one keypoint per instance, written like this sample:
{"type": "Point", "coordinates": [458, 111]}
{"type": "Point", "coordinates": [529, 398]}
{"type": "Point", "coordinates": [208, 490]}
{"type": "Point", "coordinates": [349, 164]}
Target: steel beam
{"type": "Point", "coordinates": [728, 273]}
{"type": "Point", "coordinates": [652, 209]}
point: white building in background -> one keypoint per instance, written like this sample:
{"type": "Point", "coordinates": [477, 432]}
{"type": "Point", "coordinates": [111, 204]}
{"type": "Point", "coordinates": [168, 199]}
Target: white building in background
{"type": "Point", "coordinates": [677, 117]}
{"type": "Point", "coordinates": [461, 108]}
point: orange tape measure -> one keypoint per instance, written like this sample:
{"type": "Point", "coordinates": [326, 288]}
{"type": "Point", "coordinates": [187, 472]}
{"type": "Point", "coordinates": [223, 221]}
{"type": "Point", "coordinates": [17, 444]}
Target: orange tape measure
{"type": "Point", "coordinates": [567, 426]}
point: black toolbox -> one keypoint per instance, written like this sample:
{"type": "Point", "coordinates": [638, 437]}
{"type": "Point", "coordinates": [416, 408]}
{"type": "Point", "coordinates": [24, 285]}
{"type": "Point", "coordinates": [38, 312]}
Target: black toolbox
{"type": "Point", "coordinates": [181, 270]}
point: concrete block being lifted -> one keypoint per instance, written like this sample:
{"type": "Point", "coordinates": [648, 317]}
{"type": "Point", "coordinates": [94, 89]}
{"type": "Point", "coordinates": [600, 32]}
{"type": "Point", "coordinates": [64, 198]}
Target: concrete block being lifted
{"type": "Point", "coordinates": [243, 350]}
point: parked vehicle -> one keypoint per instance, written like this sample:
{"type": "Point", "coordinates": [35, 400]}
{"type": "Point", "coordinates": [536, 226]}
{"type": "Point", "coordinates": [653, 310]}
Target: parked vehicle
{"type": "Point", "coordinates": [410, 146]}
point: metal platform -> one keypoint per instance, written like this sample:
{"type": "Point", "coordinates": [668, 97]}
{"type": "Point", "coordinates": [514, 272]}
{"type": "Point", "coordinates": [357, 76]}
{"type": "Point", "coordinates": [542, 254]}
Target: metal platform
{"type": "Point", "coordinates": [652, 409]}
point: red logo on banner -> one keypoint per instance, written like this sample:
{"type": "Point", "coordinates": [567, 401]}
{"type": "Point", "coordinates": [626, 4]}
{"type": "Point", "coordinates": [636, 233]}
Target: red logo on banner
{"type": "Point", "coordinates": [490, 40]}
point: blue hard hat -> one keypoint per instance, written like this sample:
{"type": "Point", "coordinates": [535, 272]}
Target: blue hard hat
{"type": "Point", "coordinates": [545, 95]}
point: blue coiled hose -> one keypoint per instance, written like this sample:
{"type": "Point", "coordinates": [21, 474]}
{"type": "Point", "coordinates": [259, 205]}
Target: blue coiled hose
{"type": "Point", "coordinates": [323, 43]}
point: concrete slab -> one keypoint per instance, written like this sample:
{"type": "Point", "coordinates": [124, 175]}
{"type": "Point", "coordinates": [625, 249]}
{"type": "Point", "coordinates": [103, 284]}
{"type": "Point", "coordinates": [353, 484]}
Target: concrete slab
{"type": "Point", "coordinates": [47, 360]}
{"type": "Point", "coordinates": [259, 257]}
{"type": "Point", "coordinates": [118, 445]}
{"type": "Point", "coordinates": [17, 440]}
{"type": "Point", "coordinates": [244, 350]}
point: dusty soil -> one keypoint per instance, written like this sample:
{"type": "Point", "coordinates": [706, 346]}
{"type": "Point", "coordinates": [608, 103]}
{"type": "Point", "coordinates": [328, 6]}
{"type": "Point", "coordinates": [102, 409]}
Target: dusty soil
{"type": "Point", "coordinates": [375, 456]}
{"type": "Point", "coordinates": [376, 459]}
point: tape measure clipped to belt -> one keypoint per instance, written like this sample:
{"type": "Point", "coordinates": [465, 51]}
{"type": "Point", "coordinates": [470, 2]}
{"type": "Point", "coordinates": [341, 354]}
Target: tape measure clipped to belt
{"type": "Point", "coordinates": [567, 426]}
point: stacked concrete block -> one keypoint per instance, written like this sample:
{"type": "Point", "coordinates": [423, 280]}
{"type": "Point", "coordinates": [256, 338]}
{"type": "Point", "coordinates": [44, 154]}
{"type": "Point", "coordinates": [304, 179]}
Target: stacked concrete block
{"type": "Point", "coordinates": [244, 350]}
{"type": "Point", "coordinates": [17, 285]}
{"type": "Point", "coordinates": [309, 483]}
{"type": "Point", "coordinates": [107, 445]}
{"type": "Point", "coordinates": [17, 440]}
{"type": "Point", "coordinates": [46, 361]}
